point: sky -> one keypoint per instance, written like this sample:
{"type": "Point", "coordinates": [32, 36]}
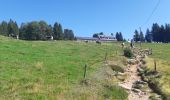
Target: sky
{"type": "Point", "coordinates": [86, 17]}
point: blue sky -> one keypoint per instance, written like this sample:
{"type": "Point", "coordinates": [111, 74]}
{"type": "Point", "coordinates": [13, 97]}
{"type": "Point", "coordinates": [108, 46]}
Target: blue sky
{"type": "Point", "coordinates": [86, 17]}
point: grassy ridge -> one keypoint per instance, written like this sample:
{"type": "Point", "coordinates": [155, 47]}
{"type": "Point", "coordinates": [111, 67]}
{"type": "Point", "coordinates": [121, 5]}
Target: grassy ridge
{"type": "Point", "coordinates": [161, 53]}
{"type": "Point", "coordinates": [46, 69]}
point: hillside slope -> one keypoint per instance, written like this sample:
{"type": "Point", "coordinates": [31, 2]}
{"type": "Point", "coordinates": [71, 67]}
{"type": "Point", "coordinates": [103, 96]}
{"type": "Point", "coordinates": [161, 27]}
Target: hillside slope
{"type": "Point", "coordinates": [47, 69]}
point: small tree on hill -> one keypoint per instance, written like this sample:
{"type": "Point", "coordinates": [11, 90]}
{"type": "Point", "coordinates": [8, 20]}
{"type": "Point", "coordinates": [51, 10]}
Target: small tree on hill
{"type": "Point", "coordinates": [148, 36]}
{"type": "Point", "coordinates": [58, 31]}
{"type": "Point", "coordinates": [4, 28]}
{"type": "Point", "coordinates": [119, 36]}
{"type": "Point", "coordinates": [136, 37]}
{"type": "Point", "coordinates": [142, 38]}
{"type": "Point", "coordinates": [68, 34]}
{"type": "Point", "coordinates": [13, 28]}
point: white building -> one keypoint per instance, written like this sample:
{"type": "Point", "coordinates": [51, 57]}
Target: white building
{"type": "Point", "coordinates": [102, 38]}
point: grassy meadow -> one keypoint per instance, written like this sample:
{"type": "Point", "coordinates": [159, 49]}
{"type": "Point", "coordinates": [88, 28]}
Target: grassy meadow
{"type": "Point", "coordinates": [161, 53]}
{"type": "Point", "coordinates": [50, 70]}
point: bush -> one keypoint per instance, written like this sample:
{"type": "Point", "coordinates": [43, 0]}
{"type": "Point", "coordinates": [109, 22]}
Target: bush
{"type": "Point", "coordinates": [128, 52]}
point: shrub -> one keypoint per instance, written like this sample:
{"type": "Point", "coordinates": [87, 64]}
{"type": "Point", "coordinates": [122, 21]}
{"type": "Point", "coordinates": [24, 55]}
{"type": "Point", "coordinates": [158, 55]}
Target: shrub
{"type": "Point", "coordinates": [128, 52]}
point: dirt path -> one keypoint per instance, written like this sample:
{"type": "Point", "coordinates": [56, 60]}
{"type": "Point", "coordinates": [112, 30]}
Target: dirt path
{"type": "Point", "coordinates": [134, 94]}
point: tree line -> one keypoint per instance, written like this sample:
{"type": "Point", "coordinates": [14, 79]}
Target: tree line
{"type": "Point", "coordinates": [161, 33]}
{"type": "Point", "coordinates": [158, 33]}
{"type": "Point", "coordinates": [139, 36]}
{"type": "Point", "coordinates": [35, 30]}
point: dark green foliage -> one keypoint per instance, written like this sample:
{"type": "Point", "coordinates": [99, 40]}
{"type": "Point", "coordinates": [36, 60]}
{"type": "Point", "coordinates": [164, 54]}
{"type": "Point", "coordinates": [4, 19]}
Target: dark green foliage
{"type": "Point", "coordinates": [13, 29]}
{"type": "Point", "coordinates": [148, 36]}
{"type": "Point", "coordinates": [136, 36]}
{"type": "Point", "coordinates": [58, 31]}
{"type": "Point", "coordinates": [43, 26]}
{"type": "Point", "coordinates": [31, 31]}
{"type": "Point", "coordinates": [96, 35]}
{"type": "Point", "coordinates": [161, 33]}
{"type": "Point", "coordinates": [68, 34]}
{"type": "Point", "coordinates": [142, 38]}
{"type": "Point", "coordinates": [35, 30]}
{"type": "Point", "coordinates": [119, 36]}
{"type": "Point", "coordinates": [22, 31]}
{"type": "Point", "coordinates": [9, 29]}
{"type": "Point", "coordinates": [4, 28]}
{"type": "Point", "coordinates": [128, 52]}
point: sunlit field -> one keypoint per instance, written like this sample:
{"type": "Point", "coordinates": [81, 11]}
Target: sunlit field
{"type": "Point", "coordinates": [161, 53]}
{"type": "Point", "coordinates": [50, 69]}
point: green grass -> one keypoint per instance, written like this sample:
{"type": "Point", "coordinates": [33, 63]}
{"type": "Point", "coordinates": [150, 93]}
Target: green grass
{"type": "Point", "coordinates": [47, 69]}
{"type": "Point", "coordinates": [161, 53]}
{"type": "Point", "coordinates": [116, 93]}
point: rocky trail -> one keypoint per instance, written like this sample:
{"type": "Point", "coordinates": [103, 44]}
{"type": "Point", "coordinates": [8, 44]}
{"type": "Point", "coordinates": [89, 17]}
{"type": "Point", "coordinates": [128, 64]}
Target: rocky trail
{"type": "Point", "coordinates": [137, 89]}
{"type": "Point", "coordinates": [129, 79]}
{"type": "Point", "coordinates": [134, 94]}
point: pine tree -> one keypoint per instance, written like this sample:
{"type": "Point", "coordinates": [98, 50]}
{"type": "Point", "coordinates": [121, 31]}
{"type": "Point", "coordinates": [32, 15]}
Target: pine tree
{"type": "Point", "coordinates": [136, 36]}
{"type": "Point", "coordinates": [120, 36]}
{"type": "Point", "coordinates": [148, 36]}
{"type": "Point", "coordinates": [4, 28]}
{"type": "Point", "coordinates": [13, 29]}
{"type": "Point", "coordinates": [68, 34]}
{"type": "Point", "coordinates": [55, 31]}
{"type": "Point", "coordinates": [58, 32]}
{"type": "Point", "coordinates": [117, 36]}
{"type": "Point", "coordinates": [142, 38]}
{"type": "Point", "coordinates": [155, 31]}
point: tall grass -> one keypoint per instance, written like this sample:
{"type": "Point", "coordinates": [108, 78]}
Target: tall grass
{"type": "Point", "coordinates": [161, 53]}
{"type": "Point", "coordinates": [46, 69]}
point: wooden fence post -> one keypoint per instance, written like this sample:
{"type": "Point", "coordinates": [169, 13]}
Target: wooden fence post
{"type": "Point", "coordinates": [155, 66]}
{"type": "Point", "coordinates": [85, 69]}
{"type": "Point", "coordinates": [106, 57]}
